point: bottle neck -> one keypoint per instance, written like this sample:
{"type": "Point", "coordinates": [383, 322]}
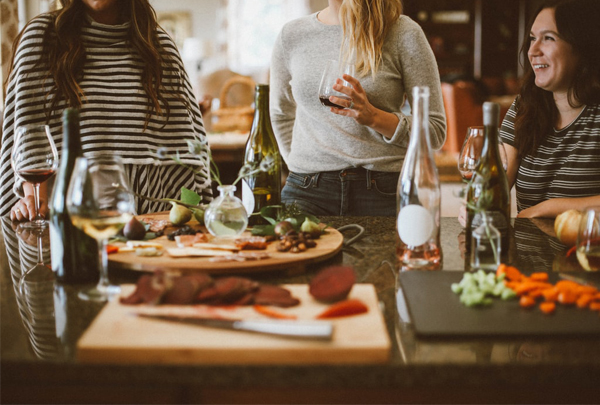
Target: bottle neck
{"type": "Point", "coordinates": [420, 124]}
{"type": "Point", "coordinates": [71, 137]}
{"type": "Point", "coordinates": [261, 105]}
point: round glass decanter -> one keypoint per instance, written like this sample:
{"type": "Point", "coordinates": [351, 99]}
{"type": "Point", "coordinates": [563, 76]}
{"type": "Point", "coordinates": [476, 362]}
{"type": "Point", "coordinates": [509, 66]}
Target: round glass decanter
{"type": "Point", "coordinates": [485, 246]}
{"type": "Point", "coordinates": [226, 215]}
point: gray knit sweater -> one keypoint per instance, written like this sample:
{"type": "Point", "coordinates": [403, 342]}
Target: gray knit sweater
{"type": "Point", "coordinates": [313, 139]}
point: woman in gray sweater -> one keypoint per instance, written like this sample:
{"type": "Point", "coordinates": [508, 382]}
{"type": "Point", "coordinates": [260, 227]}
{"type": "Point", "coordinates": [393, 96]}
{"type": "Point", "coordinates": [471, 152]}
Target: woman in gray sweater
{"type": "Point", "coordinates": [346, 161]}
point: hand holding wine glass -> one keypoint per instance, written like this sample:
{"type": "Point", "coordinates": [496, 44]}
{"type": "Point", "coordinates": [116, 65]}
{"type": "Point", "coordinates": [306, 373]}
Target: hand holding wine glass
{"type": "Point", "coordinates": [100, 203]}
{"type": "Point", "coordinates": [333, 71]}
{"type": "Point", "coordinates": [34, 159]}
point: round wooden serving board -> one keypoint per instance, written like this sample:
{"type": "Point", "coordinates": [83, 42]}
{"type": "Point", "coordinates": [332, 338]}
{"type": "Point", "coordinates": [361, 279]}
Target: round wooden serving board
{"type": "Point", "coordinates": [328, 245]}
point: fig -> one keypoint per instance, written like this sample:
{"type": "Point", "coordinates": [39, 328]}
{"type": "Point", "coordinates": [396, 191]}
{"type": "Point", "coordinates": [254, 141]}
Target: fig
{"type": "Point", "coordinates": [198, 215]}
{"type": "Point", "coordinates": [283, 227]}
{"type": "Point", "coordinates": [179, 214]}
{"type": "Point", "coordinates": [134, 230]}
{"type": "Point", "coordinates": [311, 227]}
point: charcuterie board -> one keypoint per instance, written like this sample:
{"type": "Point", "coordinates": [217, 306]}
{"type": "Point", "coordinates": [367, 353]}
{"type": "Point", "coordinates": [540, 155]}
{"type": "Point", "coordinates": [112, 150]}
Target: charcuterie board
{"type": "Point", "coordinates": [328, 245]}
{"type": "Point", "coordinates": [117, 335]}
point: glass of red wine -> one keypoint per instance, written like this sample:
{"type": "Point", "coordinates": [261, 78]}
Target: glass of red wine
{"type": "Point", "coordinates": [588, 239]}
{"type": "Point", "coordinates": [334, 71]}
{"type": "Point", "coordinates": [34, 159]}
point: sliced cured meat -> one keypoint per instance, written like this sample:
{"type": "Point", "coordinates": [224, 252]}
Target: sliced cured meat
{"type": "Point", "coordinates": [274, 295]}
{"type": "Point", "coordinates": [185, 289]}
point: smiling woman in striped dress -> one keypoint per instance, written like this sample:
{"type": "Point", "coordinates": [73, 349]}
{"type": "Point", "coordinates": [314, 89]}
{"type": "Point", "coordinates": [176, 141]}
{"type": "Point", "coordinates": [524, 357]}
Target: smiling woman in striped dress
{"type": "Point", "coordinates": [552, 130]}
{"type": "Point", "coordinates": [111, 60]}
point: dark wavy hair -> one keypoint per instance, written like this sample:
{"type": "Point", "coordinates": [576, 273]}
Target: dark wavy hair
{"type": "Point", "coordinates": [578, 24]}
{"type": "Point", "coordinates": [64, 54]}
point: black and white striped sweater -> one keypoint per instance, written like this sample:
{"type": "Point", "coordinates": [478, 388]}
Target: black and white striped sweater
{"type": "Point", "coordinates": [113, 113]}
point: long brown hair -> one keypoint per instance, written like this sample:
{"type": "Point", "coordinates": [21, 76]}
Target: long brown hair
{"type": "Point", "coordinates": [365, 24]}
{"type": "Point", "coordinates": [64, 54]}
{"type": "Point", "coordinates": [577, 24]}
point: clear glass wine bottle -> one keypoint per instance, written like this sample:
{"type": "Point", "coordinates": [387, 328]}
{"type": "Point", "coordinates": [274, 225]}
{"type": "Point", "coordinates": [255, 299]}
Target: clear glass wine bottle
{"type": "Point", "coordinates": [418, 202]}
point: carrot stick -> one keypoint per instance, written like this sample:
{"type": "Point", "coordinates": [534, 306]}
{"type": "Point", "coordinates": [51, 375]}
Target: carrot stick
{"type": "Point", "coordinates": [270, 312]}
{"type": "Point", "coordinates": [344, 308]}
{"type": "Point", "coordinates": [547, 307]}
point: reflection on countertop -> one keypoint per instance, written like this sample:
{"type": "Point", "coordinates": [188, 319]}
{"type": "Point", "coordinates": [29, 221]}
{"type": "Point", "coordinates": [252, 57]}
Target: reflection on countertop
{"type": "Point", "coordinates": [42, 326]}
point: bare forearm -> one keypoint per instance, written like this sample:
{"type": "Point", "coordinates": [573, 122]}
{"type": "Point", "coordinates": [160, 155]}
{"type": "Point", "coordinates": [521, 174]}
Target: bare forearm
{"type": "Point", "coordinates": [555, 206]}
{"type": "Point", "coordinates": [385, 123]}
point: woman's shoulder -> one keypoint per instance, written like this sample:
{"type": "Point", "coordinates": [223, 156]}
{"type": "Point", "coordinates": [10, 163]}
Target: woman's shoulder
{"type": "Point", "coordinates": [38, 24]}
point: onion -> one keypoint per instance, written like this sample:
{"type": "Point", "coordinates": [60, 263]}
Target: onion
{"type": "Point", "coordinates": [566, 226]}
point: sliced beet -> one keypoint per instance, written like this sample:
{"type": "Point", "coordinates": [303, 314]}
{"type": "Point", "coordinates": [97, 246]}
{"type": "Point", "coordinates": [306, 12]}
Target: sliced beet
{"type": "Point", "coordinates": [332, 284]}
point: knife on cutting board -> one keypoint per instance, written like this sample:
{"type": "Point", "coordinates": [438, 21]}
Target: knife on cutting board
{"type": "Point", "coordinates": [317, 330]}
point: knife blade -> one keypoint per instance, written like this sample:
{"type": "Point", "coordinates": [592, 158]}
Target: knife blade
{"type": "Point", "coordinates": [318, 330]}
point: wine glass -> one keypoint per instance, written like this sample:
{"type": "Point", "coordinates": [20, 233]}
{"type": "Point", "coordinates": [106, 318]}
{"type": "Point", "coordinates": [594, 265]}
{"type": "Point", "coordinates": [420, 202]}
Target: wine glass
{"type": "Point", "coordinates": [470, 153]}
{"type": "Point", "coordinates": [100, 203]}
{"type": "Point", "coordinates": [588, 240]}
{"type": "Point", "coordinates": [34, 159]}
{"type": "Point", "coordinates": [334, 71]}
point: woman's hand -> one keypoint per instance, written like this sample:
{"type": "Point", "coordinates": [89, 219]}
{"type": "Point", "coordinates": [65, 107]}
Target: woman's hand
{"type": "Point", "coordinates": [359, 108]}
{"type": "Point", "coordinates": [24, 210]}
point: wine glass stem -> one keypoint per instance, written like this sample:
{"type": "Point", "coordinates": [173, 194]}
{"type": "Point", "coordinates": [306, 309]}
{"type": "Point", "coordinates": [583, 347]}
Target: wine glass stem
{"type": "Point", "coordinates": [103, 264]}
{"type": "Point", "coordinates": [39, 249]}
{"type": "Point", "coordinates": [36, 196]}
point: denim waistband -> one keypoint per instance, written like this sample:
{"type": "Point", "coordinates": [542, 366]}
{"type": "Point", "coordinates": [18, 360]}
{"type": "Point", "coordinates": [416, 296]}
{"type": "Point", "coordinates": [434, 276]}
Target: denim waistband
{"type": "Point", "coordinates": [349, 174]}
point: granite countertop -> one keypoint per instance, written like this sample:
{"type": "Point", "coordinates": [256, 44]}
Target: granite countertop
{"type": "Point", "coordinates": [40, 329]}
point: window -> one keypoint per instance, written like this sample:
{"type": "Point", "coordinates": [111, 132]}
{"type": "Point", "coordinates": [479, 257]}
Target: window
{"type": "Point", "coordinates": [252, 28]}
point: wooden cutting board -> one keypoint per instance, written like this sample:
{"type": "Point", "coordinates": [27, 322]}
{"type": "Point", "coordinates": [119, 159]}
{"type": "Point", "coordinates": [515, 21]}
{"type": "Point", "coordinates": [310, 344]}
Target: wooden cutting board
{"type": "Point", "coordinates": [328, 245]}
{"type": "Point", "coordinates": [436, 311]}
{"type": "Point", "coordinates": [118, 336]}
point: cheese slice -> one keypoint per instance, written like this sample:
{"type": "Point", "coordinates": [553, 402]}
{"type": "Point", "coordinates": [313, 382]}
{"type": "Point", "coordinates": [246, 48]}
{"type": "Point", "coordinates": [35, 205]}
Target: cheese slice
{"type": "Point", "coordinates": [190, 251]}
{"type": "Point", "coordinates": [216, 246]}
{"type": "Point", "coordinates": [143, 244]}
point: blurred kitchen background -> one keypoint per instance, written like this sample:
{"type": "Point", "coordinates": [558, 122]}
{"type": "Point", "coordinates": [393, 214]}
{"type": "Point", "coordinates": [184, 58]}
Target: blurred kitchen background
{"type": "Point", "coordinates": [226, 48]}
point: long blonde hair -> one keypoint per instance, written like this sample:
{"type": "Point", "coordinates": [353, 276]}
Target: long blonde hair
{"type": "Point", "coordinates": [365, 24]}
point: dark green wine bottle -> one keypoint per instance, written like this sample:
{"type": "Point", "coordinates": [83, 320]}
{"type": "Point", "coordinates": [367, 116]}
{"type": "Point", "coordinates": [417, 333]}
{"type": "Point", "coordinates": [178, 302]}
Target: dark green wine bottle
{"type": "Point", "coordinates": [489, 189]}
{"type": "Point", "coordinates": [74, 254]}
{"type": "Point", "coordinates": [263, 188]}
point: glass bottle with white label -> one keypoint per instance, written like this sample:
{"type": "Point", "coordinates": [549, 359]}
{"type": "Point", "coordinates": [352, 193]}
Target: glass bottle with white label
{"type": "Point", "coordinates": [418, 201]}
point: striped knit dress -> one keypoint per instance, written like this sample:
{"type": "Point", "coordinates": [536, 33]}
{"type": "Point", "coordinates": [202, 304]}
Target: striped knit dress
{"type": "Point", "coordinates": [112, 115]}
{"type": "Point", "coordinates": [566, 164]}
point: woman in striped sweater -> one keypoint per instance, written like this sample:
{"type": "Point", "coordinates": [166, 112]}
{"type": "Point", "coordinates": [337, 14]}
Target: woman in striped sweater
{"type": "Point", "coordinates": [111, 60]}
{"type": "Point", "coordinates": [552, 130]}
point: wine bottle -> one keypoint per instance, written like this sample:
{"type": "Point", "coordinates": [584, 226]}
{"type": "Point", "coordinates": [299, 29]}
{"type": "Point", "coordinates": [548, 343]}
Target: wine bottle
{"type": "Point", "coordinates": [418, 221]}
{"type": "Point", "coordinates": [488, 191]}
{"type": "Point", "coordinates": [264, 187]}
{"type": "Point", "coordinates": [74, 254]}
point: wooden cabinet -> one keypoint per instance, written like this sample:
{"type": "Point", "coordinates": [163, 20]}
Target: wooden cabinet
{"type": "Point", "coordinates": [473, 38]}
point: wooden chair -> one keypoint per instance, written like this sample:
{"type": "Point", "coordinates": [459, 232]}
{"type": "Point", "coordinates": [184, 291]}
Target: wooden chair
{"type": "Point", "coordinates": [463, 109]}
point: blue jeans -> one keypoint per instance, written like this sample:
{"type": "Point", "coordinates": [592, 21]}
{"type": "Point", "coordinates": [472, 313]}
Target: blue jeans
{"type": "Point", "coordinates": [353, 192]}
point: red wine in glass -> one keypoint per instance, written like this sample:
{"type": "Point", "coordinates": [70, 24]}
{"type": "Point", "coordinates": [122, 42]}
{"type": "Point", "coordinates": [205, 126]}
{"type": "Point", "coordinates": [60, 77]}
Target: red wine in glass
{"type": "Point", "coordinates": [326, 102]}
{"type": "Point", "coordinates": [34, 159]}
{"type": "Point", "coordinates": [36, 175]}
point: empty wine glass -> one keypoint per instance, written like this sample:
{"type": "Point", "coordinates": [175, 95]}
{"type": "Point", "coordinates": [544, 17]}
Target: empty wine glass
{"type": "Point", "coordinates": [334, 71]}
{"type": "Point", "coordinates": [588, 240]}
{"type": "Point", "coordinates": [34, 159]}
{"type": "Point", "coordinates": [100, 203]}
{"type": "Point", "coordinates": [470, 153]}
